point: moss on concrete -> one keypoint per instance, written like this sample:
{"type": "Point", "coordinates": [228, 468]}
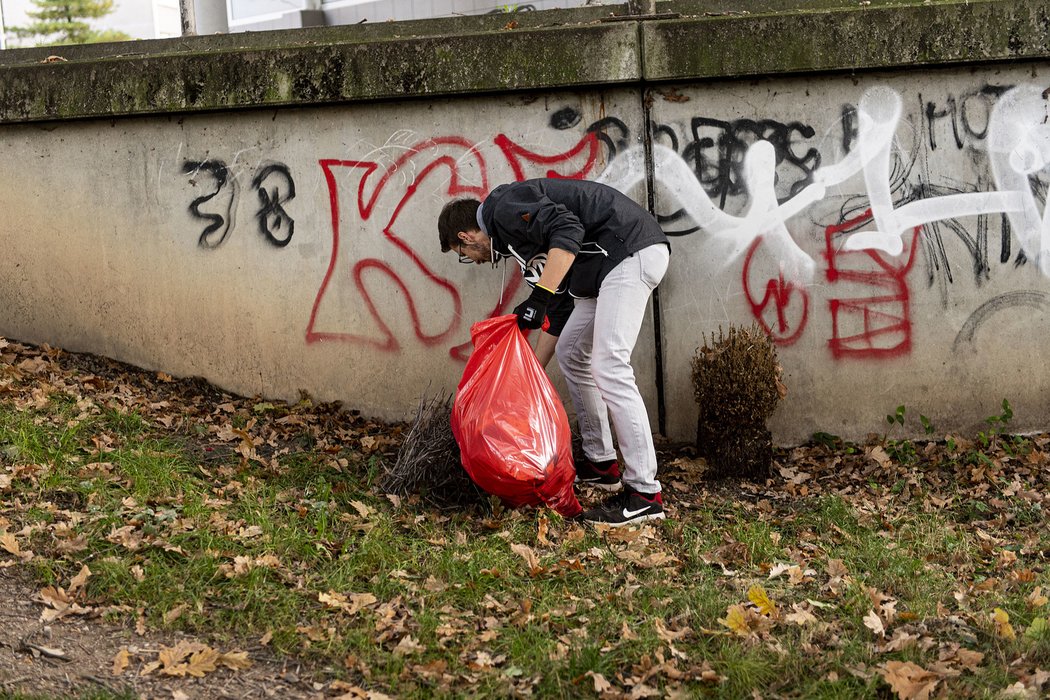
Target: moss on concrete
{"type": "Point", "coordinates": [326, 73]}
{"type": "Point", "coordinates": [544, 50]}
{"type": "Point", "coordinates": [853, 38]}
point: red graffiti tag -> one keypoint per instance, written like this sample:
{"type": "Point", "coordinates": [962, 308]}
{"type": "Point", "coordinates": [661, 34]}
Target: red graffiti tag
{"type": "Point", "coordinates": [516, 154]}
{"type": "Point", "coordinates": [876, 326]}
{"type": "Point", "coordinates": [377, 333]}
{"type": "Point", "coordinates": [783, 310]}
{"type": "Point", "coordinates": [368, 273]}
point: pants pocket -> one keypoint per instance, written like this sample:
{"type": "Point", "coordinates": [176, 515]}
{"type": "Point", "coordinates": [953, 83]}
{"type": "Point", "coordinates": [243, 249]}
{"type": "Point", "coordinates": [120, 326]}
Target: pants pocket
{"type": "Point", "coordinates": [653, 262]}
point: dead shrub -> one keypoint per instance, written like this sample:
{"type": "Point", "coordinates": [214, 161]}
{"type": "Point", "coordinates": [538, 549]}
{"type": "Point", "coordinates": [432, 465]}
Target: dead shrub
{"type": "Point", "coordinates": [736, 382]}
{"type": "Point", "coordinates": [428, 463]}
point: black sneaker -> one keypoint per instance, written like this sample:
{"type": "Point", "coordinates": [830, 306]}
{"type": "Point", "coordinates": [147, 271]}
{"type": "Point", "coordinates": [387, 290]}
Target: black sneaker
{"type": "Point", "coordinates": [590, 474]}
{"type": "Point", "coordinates": [627, 508]}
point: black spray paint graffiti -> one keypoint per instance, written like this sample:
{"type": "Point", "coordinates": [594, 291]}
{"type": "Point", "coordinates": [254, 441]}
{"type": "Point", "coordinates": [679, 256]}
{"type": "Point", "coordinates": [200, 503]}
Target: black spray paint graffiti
{"type": "Point", "coordinates": [961, 120]}
{"type": "Point", "coordinates": [220, 224]}
{"type": "Point", "coordinates": [1024, 298]}
{"type": "Point", "coordinates": [716, 152]}
{"type": "Point", "coordinates": [721, 172]}
{"type": "Point", "coordinates": [966, 117]}
{"type": "Point", "coordinates": [272, 217]}
{"type": "Point", "coordinates": [272, 182]}
{"type": "Point", "coordinates": [611, 131]}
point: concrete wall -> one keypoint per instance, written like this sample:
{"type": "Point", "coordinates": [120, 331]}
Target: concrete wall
{"type": "Point", "coordinates": [148, 240]}
{"type": "Point", "coordinates": [271, 228]}
{"type": "Point", "coordinates": [938, 176]}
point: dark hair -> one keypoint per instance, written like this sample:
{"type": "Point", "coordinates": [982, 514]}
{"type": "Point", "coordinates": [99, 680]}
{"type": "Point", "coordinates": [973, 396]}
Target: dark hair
{"type": "Point", "coordinates": [458, 215]}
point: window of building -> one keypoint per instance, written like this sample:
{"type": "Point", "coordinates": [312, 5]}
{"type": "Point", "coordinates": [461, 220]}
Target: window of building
{"type": "Point", "coordinates": [240, 10]}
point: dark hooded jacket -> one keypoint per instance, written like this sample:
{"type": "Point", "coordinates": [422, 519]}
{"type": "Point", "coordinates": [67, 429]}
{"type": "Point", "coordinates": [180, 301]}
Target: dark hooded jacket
{"type": "Point", "coordinates": [595, 222]}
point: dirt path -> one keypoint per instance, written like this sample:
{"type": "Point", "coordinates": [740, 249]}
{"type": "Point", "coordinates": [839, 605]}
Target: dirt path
{"type": "Point", "coordinates": [74, 655]}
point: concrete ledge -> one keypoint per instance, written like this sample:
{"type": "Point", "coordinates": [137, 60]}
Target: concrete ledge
{"type": "Point", "coordinates": [312, 36]}
{"type": "Point", "coordinates": [854, 38]}
{"type": "Point", "coordinates": [319, 74]}
{"type": "Point", "coordinates": [494, 53]}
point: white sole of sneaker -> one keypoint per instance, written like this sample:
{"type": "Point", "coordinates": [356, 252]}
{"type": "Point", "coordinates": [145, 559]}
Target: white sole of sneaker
{"type": "Point", "coordinates": [635, 521]}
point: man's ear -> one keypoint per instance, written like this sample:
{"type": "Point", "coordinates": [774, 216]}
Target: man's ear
{"type": "Point", "coordinates": [464, 237]}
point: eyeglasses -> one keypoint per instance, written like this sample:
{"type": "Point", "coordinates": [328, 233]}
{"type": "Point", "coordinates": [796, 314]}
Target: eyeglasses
{"type": "Point", "coordinates": [496, 257]}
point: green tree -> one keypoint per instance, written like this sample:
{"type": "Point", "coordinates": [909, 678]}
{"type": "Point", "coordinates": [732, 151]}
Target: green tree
{"type": "Point", "coordinates": [66, 22]}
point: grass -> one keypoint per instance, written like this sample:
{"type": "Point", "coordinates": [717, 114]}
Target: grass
{"type": "Point", "coordinates": [240, 546]}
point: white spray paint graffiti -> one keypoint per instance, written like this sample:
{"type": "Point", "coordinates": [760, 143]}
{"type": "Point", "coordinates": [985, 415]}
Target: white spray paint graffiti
{"type": "Point", "coordinates": [1018, 146]}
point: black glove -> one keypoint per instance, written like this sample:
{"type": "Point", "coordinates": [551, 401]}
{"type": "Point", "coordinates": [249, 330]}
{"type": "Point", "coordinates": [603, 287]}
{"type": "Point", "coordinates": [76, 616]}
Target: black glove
{"type": "Point", "coordinates": [533, 310]}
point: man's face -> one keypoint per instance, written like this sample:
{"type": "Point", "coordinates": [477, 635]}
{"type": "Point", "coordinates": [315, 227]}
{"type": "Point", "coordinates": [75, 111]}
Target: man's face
{"type": "Point", "coordinates": [474, 246]}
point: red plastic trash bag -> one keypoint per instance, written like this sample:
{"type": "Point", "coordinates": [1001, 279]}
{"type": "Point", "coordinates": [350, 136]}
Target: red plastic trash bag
{"type": "Point", "coordinates": [512, 430]}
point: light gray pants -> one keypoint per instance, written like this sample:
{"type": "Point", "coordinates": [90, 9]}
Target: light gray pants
{"type": "Point", "coordinates": [594, 353]}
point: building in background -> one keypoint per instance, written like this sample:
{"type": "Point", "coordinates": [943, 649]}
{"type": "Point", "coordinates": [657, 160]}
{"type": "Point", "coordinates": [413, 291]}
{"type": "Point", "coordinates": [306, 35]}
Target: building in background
{"type": "Point", "coordinates": [255, 15]}
{"type": "Point", "coordinates": [142, 19]}
{"type": "Point", "coordinates": [158, 19]}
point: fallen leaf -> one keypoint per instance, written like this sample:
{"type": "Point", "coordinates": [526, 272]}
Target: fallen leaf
{"type": "Point", "coordinates": [121, 661]}
{"type": "Point", "coordinates": [1017, 691]}
{"type": "Point", "coordinates": [836, 569]}
{"type": "Point", "coordinates": [879, 456]}
{"type": "Point", "coordinates": [55, 597]}
{"type": "Point", "coordinates": [1003, 628]}
{"type": "Point", "coordinates": [9, 544]}
{"type": "Point", "coordinates": [669, 635]}
{"type": "Point", "coordinates": [407, 646]}
{"type": "Point", "coordinates": [1038, 629]}
{"type": "Point", "coordinates": [531, 560]}
{"type": "Point", "coordinates": [910, 681]}
{"type": "Point", "coordinates": [744, 621]}
{"type": "Point", "coordinates": [542, 528]}
{"type": "Point", "coordinates": [642, 690]}
{"type": "Point", "coordinates": [758, 596]}
{"type": "Point", "coordinates": [352, 603]}
{"type": "Point", "coordinates": [175, 613]}
{"type": "Point", "coordinates": [235, 660]}
{"type": "Point", "coordinates": [874, 623]}
{"type": "Point", "coordinates": [969, 659]}
{"type": "Point", "coordinates": [736, 620]}
{"type": "Point", "coordinates": [188, 658]}
{"type": "Point", "coordinates": [600, 684]}
{"type": "Point", "coordinates": [800, 616]}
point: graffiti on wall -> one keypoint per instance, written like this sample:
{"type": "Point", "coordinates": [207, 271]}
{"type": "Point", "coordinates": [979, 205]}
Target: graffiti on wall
{"type": "Point", "coordinates": [390, 260]}
{"type": "Point", "coordinates": [273, 184]}
{"type": "Point", "coordinates": [871, 249]}
{"type": "Point", "coordinates": [789, 212]}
